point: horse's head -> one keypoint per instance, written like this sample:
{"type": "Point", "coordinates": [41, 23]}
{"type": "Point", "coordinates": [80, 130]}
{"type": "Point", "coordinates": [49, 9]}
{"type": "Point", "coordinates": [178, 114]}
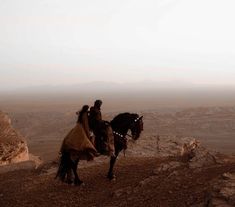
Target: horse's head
{"type": "Point", "coordinates": [127, 121]}
{"type": "Point", "coordinates": [136, 126]}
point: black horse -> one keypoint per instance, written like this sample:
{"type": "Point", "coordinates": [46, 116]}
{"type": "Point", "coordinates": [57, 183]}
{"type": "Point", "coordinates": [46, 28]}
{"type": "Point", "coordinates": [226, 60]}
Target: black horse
{"type": "Point", "coordinates": [120, 125]}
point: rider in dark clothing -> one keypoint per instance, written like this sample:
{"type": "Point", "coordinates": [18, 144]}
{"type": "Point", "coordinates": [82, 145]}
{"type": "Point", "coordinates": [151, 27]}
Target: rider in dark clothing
{"type": "Point", "coordinates": [97, 124]}
{"type": "Point", "coordinates": [95, 116]}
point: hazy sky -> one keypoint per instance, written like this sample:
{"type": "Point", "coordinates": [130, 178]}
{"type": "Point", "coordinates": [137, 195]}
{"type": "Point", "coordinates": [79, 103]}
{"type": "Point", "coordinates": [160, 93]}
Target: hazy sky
{"type": "Point", "coordinates": [74, 41]}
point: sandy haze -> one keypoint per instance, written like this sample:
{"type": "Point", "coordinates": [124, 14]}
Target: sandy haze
{"type": "Point", "coordinates": [117, 97]}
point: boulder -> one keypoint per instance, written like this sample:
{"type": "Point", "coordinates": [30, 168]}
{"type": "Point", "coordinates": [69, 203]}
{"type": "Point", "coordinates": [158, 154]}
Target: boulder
{"type": "Point", "coordinates": [13, 146]}
{"type": "Point", "coordinates": [224, 190]}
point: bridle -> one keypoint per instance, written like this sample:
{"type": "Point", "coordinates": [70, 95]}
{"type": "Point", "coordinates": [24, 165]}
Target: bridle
{"type": "Point", "coordinates": [124, 136]}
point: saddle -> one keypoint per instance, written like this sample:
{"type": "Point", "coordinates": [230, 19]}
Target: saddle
{"type": "Point", "coordinates": [104, 140]}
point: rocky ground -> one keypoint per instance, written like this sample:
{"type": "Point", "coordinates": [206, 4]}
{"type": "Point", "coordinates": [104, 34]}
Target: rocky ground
{"type": "Point", "coordinates": [139, 183]}
{"type": "Point", "coordinates": [182, 173]}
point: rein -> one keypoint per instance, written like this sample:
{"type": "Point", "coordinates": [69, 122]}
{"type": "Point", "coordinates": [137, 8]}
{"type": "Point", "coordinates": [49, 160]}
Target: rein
{"type": "Point", "coordinates": [124, 141]}
{"type": "Point", "coordinates": [121, 135]}
{"type": "Point", "coordinates": [128, 135]}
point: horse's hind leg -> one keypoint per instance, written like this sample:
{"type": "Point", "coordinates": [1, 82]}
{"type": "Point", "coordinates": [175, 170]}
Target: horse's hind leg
{"type": "Point", "coordinates": [77, 180]}
{"type": "Point", "coordinates": [63, 166]}
{"type": "Point", "coordinates": [69, 175]}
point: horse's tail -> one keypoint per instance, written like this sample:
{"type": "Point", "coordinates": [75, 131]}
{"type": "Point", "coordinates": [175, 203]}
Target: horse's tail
{"type": "Point", "coordinates": [63, 166]}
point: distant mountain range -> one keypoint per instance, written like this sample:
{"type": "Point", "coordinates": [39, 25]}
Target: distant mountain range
{"type": "Point", "coordinates": [100, 86]}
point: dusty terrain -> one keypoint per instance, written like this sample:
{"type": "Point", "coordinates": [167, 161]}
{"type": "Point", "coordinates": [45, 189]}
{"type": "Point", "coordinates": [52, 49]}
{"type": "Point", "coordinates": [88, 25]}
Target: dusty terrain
{"type": "Point", "coordinates": [136, 185]}
{"type": "Point", "coordinates": [138, 181]}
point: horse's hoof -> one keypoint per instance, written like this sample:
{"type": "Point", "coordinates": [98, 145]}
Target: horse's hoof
{"type": "Point", "coordinates": [97, 154]}
{"type": "Point", "coordinates": [79, 183]}
{"type": "Point", "coordinates": [69, 182]}
{"type": "Point", "coordinates": [111, 177]}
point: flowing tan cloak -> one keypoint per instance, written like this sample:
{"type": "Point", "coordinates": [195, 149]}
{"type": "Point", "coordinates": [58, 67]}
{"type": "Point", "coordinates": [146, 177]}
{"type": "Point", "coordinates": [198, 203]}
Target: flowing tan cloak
{"type": "Point", "coordinates": [77, 140]}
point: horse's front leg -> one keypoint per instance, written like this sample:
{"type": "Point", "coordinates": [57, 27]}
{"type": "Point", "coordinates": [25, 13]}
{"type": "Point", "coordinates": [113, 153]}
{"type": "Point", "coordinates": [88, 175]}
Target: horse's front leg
{"type": "Point", "coordinates": [111, 165]}
{"type": "Point", "coordinates": [113, 158]}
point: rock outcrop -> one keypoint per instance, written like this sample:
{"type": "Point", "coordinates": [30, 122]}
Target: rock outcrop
{"type": "Point", "coordinates": [223, 193]}
{"type": "Point", "coordinates": [13, 146]}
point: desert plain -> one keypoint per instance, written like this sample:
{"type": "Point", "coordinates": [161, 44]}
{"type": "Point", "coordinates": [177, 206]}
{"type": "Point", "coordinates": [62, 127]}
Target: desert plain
{"type": "Point", "coordinates": [44, 120]}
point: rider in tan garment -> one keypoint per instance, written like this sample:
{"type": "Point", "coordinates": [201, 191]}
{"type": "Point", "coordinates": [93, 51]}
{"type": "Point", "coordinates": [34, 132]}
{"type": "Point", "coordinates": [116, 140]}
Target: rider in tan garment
{"type": "Point", "coordinates": [78, 138]}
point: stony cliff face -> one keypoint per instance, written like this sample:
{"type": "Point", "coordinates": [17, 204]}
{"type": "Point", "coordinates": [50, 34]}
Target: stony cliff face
{"type": "Point", "coordinates": [13, 146]}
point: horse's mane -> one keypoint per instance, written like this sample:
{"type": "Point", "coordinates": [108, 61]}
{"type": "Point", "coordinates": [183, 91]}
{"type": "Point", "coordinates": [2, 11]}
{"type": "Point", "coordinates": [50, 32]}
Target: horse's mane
{"type": "Point", "coordinates": [123, 118]}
